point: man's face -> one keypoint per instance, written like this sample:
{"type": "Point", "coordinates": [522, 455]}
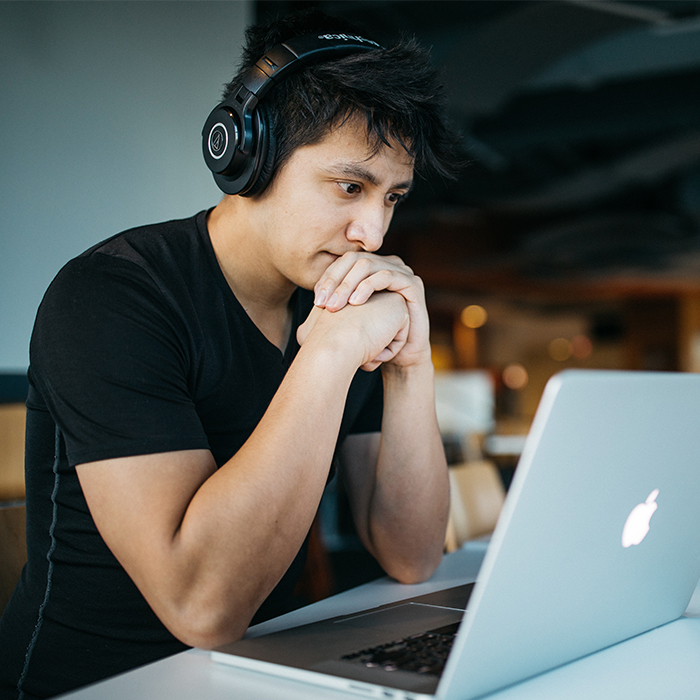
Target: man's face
{"type": "Point", "coordinates": [330, 198]}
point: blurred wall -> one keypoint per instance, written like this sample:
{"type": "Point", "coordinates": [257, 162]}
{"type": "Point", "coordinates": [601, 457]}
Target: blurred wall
{"type": "Point", "coordinates": [101, 110]}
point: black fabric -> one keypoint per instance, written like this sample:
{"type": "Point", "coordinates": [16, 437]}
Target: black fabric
{"type": "Point", "coordinates": [139, 347]}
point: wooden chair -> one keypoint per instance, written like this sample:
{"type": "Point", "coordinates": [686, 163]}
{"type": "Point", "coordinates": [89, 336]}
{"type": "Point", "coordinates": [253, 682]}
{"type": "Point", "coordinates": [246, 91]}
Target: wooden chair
{"type": "Point", "coordinates": [317, 581]}
{"type": "Point", "coordinates": [12, 422]}
{"type": "Point", "coordinates": [13, 548]}
{"type": "Point", "coordinates": [476, 499]}
{"type": "Point", "coordinates": [13, 534]}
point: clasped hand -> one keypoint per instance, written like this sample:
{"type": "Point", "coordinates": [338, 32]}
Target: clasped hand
{"type": "Point", "coordinates": [361, 287]}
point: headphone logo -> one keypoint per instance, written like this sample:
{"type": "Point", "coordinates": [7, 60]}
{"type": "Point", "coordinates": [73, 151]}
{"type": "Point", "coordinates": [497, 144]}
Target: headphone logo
{"type": "Point", "coordinates": [218, 141]}
{"type": "Point", "coordinates": [348, 37]}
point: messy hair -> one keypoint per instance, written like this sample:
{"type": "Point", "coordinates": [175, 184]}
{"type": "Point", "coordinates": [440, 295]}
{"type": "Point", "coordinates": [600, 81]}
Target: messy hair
{"type": "Point", "coordinates": [395, 91]}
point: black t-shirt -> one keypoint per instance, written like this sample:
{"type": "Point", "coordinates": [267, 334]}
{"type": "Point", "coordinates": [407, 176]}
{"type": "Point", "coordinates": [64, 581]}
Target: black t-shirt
{"type": "Point", "coordinates": [139, 347]}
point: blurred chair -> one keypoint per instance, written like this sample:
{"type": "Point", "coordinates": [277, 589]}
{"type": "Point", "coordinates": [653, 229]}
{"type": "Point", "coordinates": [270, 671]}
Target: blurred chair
{"type": "Point", "coordinates": [476, 499]}
{"type": "Point", "coordinates": [13, 548]}
{"type": "Point", "coordinates": [317, 581]}
{"type": "Point", "coordinates": [12, 422]}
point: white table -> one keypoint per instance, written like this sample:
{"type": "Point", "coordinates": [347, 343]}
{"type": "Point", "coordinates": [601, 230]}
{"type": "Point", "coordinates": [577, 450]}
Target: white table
{"type": "Point", "coordinates": [662, 663]}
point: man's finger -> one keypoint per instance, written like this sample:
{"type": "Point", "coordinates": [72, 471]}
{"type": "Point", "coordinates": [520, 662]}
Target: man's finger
{"type": "Point", "coordinates": [343, 276]}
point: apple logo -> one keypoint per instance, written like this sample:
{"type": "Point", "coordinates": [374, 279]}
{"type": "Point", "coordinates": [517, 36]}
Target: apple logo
{"type": "Point", "coordinates": [637, 524]}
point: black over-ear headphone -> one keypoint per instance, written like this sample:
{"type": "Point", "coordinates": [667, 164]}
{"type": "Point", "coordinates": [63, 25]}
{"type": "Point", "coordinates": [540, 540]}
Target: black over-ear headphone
{"type": "Point", "coordinates": [237, 142]}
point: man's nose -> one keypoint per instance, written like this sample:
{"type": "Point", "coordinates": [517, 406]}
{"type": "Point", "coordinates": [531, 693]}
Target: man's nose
{"type": "Point", "coordinates": [369, 227]}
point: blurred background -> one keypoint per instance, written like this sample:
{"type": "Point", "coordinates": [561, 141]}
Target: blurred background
{"type": "Point", "coordinates": [570, 240]}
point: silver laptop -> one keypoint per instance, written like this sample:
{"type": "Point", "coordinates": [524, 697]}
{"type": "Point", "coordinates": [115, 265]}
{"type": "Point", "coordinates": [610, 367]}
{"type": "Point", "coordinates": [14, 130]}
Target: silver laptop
{"type": "Point", "coordinates": [598, 541]}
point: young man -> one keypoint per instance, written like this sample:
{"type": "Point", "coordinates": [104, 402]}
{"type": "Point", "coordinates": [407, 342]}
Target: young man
{"type": "Point", "coordinates": [192, 382]}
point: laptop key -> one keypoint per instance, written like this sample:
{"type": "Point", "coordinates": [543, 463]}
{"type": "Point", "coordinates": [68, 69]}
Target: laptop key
{"type": "Point", "coordinates": [423, 653]}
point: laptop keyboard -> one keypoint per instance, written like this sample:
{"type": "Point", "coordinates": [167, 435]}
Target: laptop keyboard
{"type": "Point", "coordinates": [420, 653]}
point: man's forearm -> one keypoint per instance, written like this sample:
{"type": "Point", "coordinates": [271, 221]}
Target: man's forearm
{"type": "Point", "coordinates": [409, 505]}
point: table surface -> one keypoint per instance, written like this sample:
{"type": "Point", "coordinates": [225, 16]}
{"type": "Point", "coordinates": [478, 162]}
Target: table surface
{"type": "Point", "coordinates": [662, 663]}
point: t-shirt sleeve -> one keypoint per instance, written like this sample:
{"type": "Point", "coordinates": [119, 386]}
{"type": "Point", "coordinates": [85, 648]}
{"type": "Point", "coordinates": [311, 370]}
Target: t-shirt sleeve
{"type": "Point", "coordinates": [110, 356]}
{"type": "Point", "coordinates": [368, 419]}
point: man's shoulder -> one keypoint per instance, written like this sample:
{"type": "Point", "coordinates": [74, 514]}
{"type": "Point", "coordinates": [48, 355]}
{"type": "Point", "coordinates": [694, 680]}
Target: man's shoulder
{"type": "Point", "coordinates": [153, 241]}
{"type": "Point", "coordinates": [143, 260]}
{"type": "Point", "coordinates": [153, 250]}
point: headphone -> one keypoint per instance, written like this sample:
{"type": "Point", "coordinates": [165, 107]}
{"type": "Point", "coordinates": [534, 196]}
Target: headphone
{"type": "Point", "coordinates": [237, 141]}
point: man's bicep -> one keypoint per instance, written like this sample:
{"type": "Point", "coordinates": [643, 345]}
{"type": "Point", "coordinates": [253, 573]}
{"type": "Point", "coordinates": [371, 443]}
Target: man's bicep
{"type": "Point", "coordinates": [138, 504]}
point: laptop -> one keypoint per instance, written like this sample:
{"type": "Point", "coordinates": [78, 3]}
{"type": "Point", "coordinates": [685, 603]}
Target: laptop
{"type": "Point", "coordinates": [598, 541]}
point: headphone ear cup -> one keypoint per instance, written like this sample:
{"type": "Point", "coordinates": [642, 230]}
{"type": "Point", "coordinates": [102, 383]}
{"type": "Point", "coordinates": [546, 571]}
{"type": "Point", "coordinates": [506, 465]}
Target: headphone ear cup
{"type": "Point", "coordinates": [266, 152]}
{"type": "Point", "coordinates": [220, 139]}
{"type": "Point", "coordinates": [242, 174]}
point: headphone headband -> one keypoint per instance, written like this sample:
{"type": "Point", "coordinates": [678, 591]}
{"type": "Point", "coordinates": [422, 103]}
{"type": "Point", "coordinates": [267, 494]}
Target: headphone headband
{"type": "Point", "coordinates": [291, 55]}
{"type": "Point", "coordinates": [235, 138]}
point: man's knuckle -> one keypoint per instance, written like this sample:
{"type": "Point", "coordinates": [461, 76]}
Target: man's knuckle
{"type": "Point", "coordinates": [364, 264]}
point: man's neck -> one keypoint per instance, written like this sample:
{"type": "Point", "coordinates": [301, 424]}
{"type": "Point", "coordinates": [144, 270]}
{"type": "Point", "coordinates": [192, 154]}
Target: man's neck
{"type": "Point", "coordinates": [261, 291]}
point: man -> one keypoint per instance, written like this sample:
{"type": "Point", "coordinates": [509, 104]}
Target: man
{"type": "Point", "coordinates": [192, 382]}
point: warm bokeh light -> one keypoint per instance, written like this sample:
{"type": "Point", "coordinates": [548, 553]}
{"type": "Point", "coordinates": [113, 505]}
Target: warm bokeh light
{"type": "Point", "coordinates": [442, 356]}
{"type": "Point", "coordinates": [515, 376]}
{"type": "Point", "coordinates": [581, 347]}
{"type": "Point", "coordinates": [560, 349]}
{"type": "Point", "coordinates": [474, 316]}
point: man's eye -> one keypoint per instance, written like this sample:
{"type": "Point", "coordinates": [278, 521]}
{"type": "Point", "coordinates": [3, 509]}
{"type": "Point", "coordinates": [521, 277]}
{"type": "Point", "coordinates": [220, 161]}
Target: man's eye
{"type": "Point", "coordinates": [395, 197]}
{"type": "Point", "coordinates": [351, 187]}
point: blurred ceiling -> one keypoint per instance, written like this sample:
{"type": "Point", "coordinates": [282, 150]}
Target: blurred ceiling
{"type": "Point", "coordinates": [581, 122]}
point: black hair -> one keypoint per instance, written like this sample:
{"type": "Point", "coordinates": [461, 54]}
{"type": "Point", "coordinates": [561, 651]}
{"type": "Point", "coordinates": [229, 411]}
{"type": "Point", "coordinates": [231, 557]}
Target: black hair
{"type": "Point", "coordinates": [395, 90]}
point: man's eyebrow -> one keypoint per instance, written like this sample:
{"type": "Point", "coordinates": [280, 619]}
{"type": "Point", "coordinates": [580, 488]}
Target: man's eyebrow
{"type": "Point", "coordinates": [360, 172]}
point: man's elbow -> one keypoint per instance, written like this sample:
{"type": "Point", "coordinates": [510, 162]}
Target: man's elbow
{"type": "Point", "coordinates": [207, 628]}
{"type": "Point", "coordinates": [413, 571]}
